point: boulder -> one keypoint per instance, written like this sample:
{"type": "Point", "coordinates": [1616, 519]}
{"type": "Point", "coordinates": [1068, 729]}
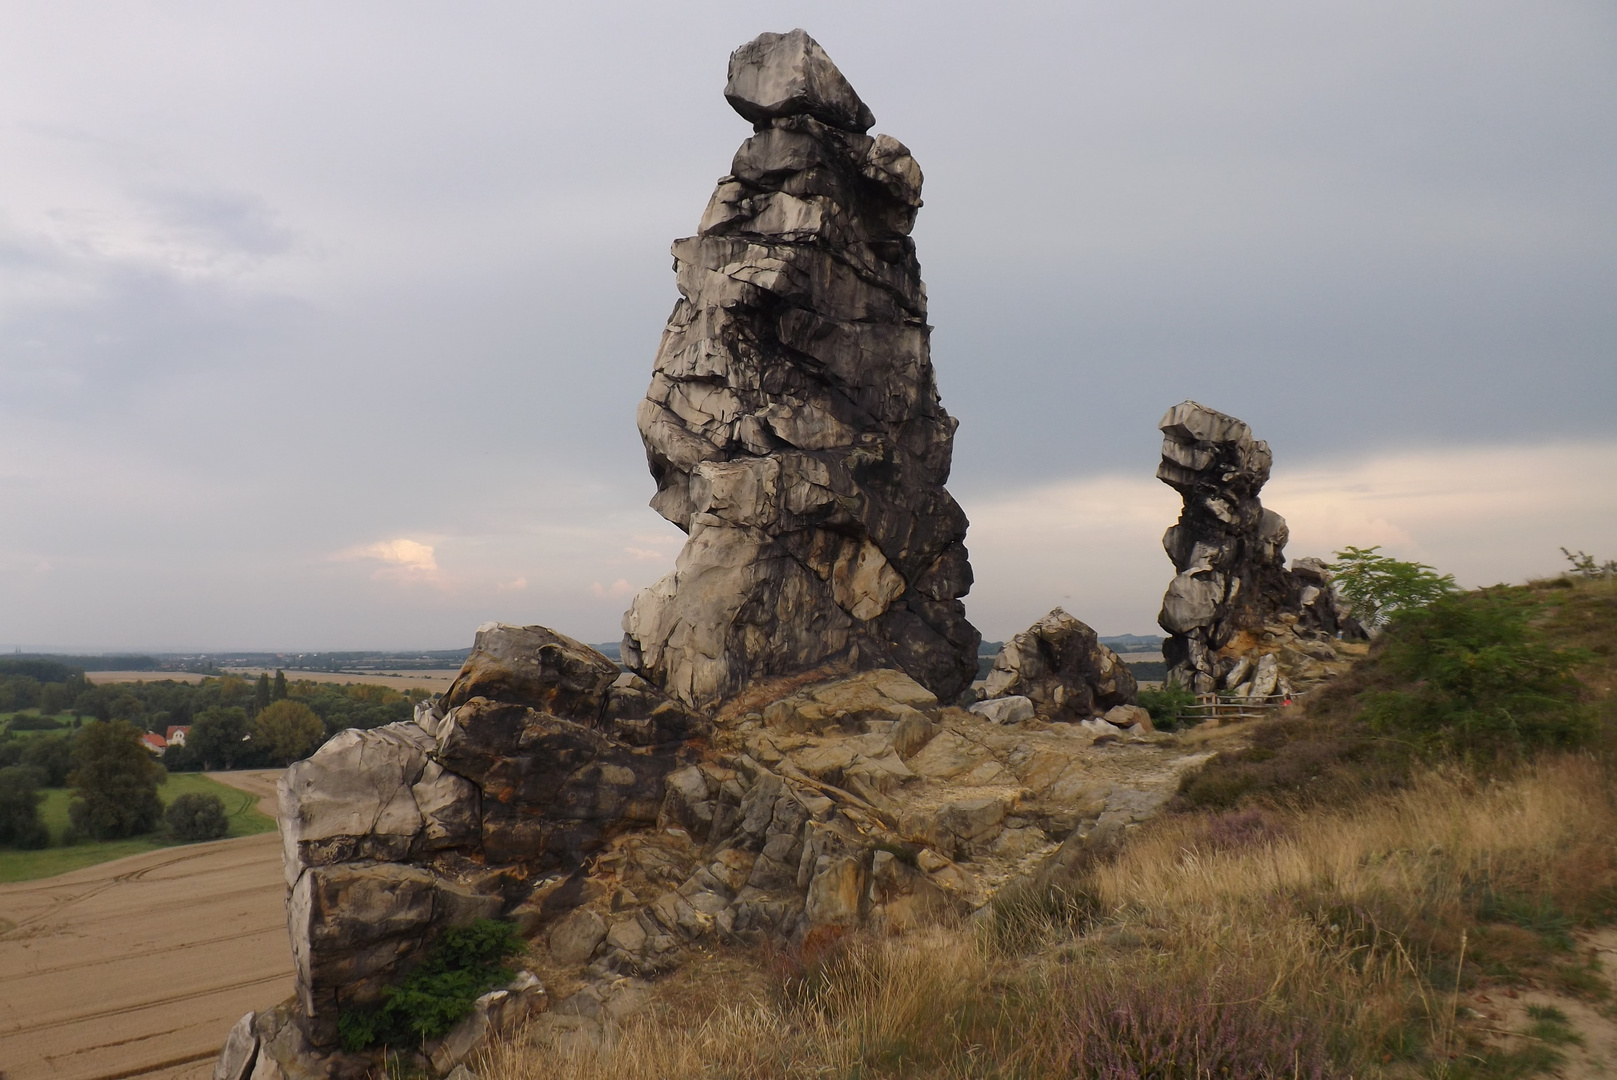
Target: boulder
{"type": "Point", "coordinates": [552, 789]}
{"type": "Point", "coordinates": [911, 733]}
{"type": "Point", "coordinates": [495, 1014]}
{"type": "Point", "coordinates": [1129, 717]}
{"type": "Point", "coordinates": [1088, 846]}
{"type": "Point", "coordinates": [240, 1052]}
{"type": "Point", "coordinates": [534, 666]}
{"type": "Point", "coordinates": [1005, 710]}
{"type": "Point", "coordinates": [451, 809]}
{"type": "Point", "coordinates": [780, 75]}
{"type": "Point", "coordinates": [574, 939]}
{"type": "Point", "coordinates": [793, 423]}
{"type": "Point", "coordinates": [851, 703]}
{"type": "Point", "coordinates": [351, 925]}
{"type": "Point", "coordinates": [836, 892]}
{"type": "Point", "coordinates": [1061, 667]}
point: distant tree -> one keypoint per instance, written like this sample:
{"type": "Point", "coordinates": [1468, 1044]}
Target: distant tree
{"type": "Point", "coordinates": [54, 698]}
{"type": "Point", "coordinates": [18, 692]}
{"type": "Point", "coordinates": [1379, 587]}
{"type": "Point", "coordinates": [261, 693]}
{"type": "Point", "coordinates": [278, 691]}
{"type": "Point", "coordinates": [181, 757]}
{"type": "Point", "coordinates": [128, 706]}
{"type": "Point", "coordinates": [93, 702]}
{"type": "Point", "coordinates": [233, 690]}
{"type": "Point", "coordinates": [218, 737]}
{"type": "Point", "coordinates": [19, 808]}
{"type": "Point", "coordinates": [52, 755]}
{"type": "Point", "coordinates": [114, 782]}
{"type": "Point", "coordinates": [194, 816]}
{"type": "Point", "coordinates": [289, 730]}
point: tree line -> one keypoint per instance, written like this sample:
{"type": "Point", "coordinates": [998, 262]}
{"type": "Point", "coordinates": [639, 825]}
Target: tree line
{"type": "Point", "coordinates": [234, 723]}
{"type": "Point", "coordinates": [114, 781]}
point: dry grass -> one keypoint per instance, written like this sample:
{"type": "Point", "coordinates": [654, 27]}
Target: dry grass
{"type": "Point", "coordinates": [1265, 944]}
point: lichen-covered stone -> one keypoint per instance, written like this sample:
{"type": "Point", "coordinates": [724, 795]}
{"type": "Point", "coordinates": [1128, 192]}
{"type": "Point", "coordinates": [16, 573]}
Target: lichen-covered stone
{"type": "Point", "coordinates": [533, 666]}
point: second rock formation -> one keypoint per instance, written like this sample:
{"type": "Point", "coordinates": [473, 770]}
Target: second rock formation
{"type": "Point", "coordinates": [1233, 594]}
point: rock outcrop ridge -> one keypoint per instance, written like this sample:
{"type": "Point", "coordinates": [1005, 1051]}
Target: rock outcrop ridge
{"type": "Point", "coordinates": [623, 831]}
{"type": "Point", "coordinates": [1234, 608]}
{"type": "Point", "coordinates": [793, 423]}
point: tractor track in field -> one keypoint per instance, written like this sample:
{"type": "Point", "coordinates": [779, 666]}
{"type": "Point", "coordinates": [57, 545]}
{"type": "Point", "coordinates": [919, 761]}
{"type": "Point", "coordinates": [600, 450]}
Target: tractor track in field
{"type": "Point", "coordinates": [139, 967]}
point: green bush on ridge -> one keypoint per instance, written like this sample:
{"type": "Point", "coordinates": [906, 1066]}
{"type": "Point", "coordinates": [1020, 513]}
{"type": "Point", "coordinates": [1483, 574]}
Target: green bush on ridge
{"type": "Point", "coordinates": [1167, 705]}
{"type": "Point", "coordinates": [462, 964]}
{"type": "Point", "coordinates": [1479, 680]}
{"type": "Point", "coordinates": [193, 817]}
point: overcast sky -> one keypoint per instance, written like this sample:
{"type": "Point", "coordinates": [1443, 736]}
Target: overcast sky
{"type": "Point", "coordinates": [322, 326]}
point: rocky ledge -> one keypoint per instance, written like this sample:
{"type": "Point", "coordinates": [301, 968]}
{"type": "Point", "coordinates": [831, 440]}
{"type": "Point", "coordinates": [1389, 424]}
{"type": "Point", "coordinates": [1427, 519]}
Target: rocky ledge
{"type": "Point", "coordinates": [623, 831]}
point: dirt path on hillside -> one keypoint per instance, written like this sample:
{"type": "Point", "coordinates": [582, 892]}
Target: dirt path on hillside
{"type": "Point", "coordinates": [138, 968]}
{"type": "Point", "coordinates": [1594, 1056]}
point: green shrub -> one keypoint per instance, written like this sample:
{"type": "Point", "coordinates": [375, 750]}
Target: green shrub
{"type": "Point", "coordinates": [461, 965]}
{"type": "Point", "coordinates": [1379, 587]}
{"type": "Point", "coordinates": [35, 722]}
{"type": "Point", "coordinates": [1167, 705]}
{"type": "Point", "coordinates": [195, 816]}
{"type": "Point", "coordinates": [1478, 679]}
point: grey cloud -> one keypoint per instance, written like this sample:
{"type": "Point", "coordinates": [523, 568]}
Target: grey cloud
{"type": "Point", "coordinates": [440, 260]}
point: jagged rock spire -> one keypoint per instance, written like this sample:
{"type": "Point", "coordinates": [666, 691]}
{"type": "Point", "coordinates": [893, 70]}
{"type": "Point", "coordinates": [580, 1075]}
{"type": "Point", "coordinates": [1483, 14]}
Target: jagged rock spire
{"type": "Point", "coordinates": [793, 424]}
{"type": "Point", "coordinates": [1229, 551]}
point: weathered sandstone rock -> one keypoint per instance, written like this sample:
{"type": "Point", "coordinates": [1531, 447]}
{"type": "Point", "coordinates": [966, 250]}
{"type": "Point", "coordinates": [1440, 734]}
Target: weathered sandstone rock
{"type": "Point", "coordinates": [540, 754]}
{"type": "Point", "coordinates": [355, 798]}
{"type": "Point", "coordinates": [1229, 551]}
{"type": "Point", "coordinates": [1061, 667]}
{"type": "Point", "coordinates": [793, 423]}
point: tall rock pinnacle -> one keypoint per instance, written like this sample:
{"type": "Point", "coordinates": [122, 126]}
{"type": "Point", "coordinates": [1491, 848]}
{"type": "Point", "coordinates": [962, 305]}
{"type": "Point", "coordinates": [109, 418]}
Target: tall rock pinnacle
{"type": "Point", "coordinates": [793, 424]}
{"type": "Point", "coordinates": [1229, 551]}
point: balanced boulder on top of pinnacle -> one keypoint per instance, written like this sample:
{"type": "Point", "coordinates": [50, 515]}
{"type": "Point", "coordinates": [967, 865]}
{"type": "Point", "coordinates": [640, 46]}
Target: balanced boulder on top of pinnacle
{"type": "Point", "coordinates": [777, 75]}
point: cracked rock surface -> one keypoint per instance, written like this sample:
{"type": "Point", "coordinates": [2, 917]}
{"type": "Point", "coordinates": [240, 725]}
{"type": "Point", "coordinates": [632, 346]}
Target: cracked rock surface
{"type": "Point", "coordinates": [793, 423]}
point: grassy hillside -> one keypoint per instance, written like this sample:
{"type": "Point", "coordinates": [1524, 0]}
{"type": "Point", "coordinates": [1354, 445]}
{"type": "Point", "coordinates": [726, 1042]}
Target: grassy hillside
{"type": "Point", "coordinates": [1410, 878]}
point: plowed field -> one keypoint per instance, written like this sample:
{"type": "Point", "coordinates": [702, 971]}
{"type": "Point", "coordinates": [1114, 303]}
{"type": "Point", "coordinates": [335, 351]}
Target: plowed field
{"type": "Point", "coordinates": [137, 968]}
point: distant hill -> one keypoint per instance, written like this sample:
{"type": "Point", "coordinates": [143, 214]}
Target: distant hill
{"type": "Point", "coordinates": [110, 662]}
{"type": "Point", "coordinates": [1127, 643]}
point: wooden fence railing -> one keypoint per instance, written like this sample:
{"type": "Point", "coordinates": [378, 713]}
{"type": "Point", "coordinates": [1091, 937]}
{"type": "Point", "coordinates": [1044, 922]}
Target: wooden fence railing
{"type": "Point", "coordinates": [1212, 707]}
